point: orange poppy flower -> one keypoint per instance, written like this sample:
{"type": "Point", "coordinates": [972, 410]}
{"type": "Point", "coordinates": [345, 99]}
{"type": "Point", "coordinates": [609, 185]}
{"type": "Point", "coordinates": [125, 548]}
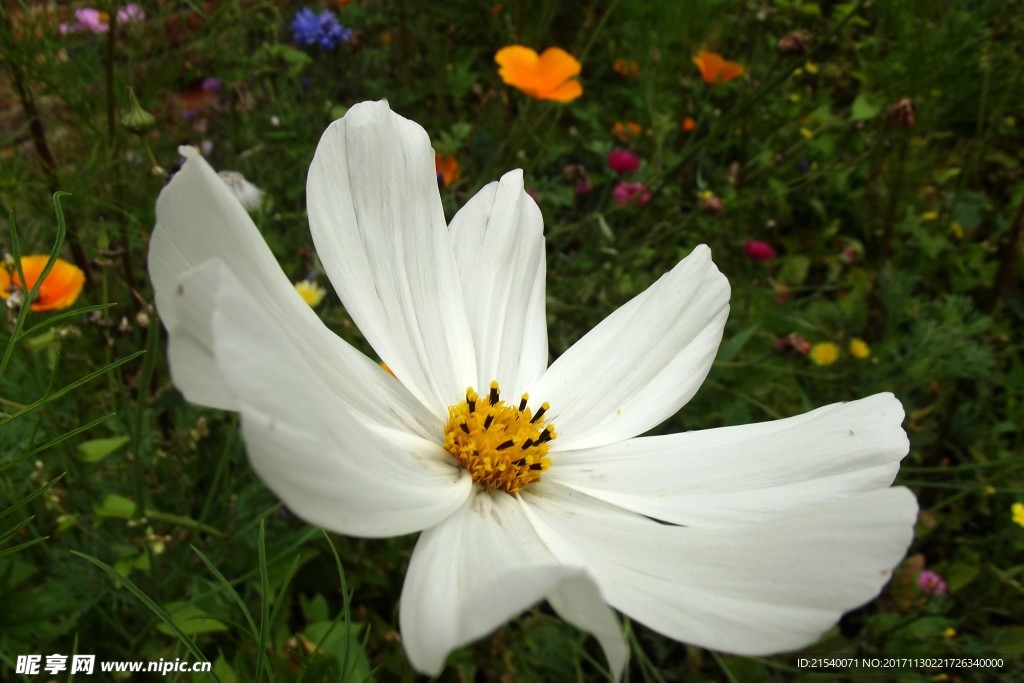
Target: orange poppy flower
{"type": "Point", "coordinates": [59, 290]}
{"type": "Point", "coordinates": [688, 124]}
{"type": "Point", "coordinates": [447, 169]}
{"type": "Point", "coordinates": [625, 131]}
{"type": "Point", "coordinates": [715, 69]}
{"type": "Point", "coordinates": [548, 76]}
{"type": "Point", "coordinates": [626, 67]}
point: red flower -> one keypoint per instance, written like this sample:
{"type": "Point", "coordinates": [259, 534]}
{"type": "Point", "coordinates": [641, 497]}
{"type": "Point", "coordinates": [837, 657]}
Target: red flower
{"type": "Point", "coordinates": [623, 161]}
{"type": "Point", "coordinates": [759, 251]}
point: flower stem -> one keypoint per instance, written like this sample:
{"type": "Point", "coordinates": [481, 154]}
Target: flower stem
{"type": "Point", "coordinates": [38, 134]}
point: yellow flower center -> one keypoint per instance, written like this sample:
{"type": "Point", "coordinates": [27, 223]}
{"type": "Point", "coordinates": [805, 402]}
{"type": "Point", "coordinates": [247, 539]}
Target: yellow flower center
{"type": "Point", "coordinates": [501, 446]}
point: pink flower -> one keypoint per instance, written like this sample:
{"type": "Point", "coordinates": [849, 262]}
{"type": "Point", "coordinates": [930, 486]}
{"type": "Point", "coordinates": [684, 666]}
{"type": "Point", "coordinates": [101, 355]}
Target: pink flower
{"type": "Point", "coordinates": [631, 193]}
{"type": "Point", "coordinates": [86, 19]}
{"type": "Point", "coordinates": [623, 161]}
{"type": "Point", "coordinates": [130, 13]}
{"type": "Point", "coordinates": [582, 187]}
{"type": "Point", "coordinates": [931, 583]}
{"type": "Point", "coordinates": [759, 251]}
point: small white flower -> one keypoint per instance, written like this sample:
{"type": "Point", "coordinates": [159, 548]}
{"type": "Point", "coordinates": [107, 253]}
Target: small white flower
{"type": "Point", "coordinates": [248, 195]}
{"type": "Point", "coordinates": [750, 540]}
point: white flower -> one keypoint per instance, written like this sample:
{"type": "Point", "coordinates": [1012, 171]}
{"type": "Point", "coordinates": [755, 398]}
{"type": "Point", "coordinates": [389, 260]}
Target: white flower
{"type": "Point", "coordinates": [750, 540]}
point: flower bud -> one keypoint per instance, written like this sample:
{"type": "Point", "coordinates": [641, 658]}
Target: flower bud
{"type": "Point", "coordinates": [902, 113]}
{"type": "Point", "coordinates": [794, 43]}
{"type": "Point", "coordinates": [136, 119]}
{"type": "Point", "coordinates": [711, 204]}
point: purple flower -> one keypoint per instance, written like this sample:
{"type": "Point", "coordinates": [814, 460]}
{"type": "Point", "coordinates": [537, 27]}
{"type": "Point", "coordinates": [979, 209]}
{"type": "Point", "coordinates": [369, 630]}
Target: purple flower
{"type": "Point", "coordinates": [130, 13]}
{"type": "Point", "coordinates": [324, 30]}
{"type": "Point", "coordinates": [623, 161]}
{"type": "Point", "coordinates": [212, 84]}
{"type": "Point", "coordinates": [931, 583]}
{"type": "Point", "coordinates": [87, 19]}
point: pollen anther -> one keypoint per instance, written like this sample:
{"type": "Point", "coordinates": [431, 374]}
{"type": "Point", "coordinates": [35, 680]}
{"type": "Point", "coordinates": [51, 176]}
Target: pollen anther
{"type": "Point", "coordinates": [500, 445]}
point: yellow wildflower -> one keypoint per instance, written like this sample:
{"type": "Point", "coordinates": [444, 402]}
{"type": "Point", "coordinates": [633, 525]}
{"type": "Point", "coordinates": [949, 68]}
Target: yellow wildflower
{"type": "Point", "coordinates": [859, 349]}
{"type": "Point", "coordinates": [1018, 513]}
{"type": "Point", "coordinates": [824, 353]}
{"type": "Point", "coordinates": [311, 292]}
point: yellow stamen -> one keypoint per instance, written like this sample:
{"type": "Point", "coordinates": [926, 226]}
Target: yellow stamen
{"type": "Point", "coordinates": [502, 446]}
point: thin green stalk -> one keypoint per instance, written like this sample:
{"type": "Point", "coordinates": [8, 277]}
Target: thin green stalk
{"type": "Point", "coordinates": [597, 31]}
{"type": "Point", "coordinates": [139, 418]}
{"type": "Point", "coordinates": [31, 295]}
{"type": "Point", "coordinates": [264, 634]}
{"type": "Point", "coordinates": [9, 47]}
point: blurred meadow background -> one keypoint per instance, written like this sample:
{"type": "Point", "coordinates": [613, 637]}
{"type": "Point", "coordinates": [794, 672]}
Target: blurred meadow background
{"type": "Point", "coordinates": [855, 168]}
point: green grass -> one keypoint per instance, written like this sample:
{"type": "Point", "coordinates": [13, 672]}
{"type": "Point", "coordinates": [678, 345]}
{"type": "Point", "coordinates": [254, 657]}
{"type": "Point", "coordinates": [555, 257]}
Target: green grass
{"type": "Point", "coordinates": [131, 526]}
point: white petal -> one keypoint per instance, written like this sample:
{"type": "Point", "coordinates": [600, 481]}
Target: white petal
{"type": "Point", "coordinates": [329, 466]}
{"type": "Point", "coordinates": [378, 226]}
{"type": "Point", "coordinates": [643, 362]}
{"type": "Point", "coordinates": [499, 246]}
{"type": "Point", "coordinates": [483, 566]}
{"type": "Point", "coordinates": [578, 601]}
{"type": "Point", "coordinates": [200, 220]}
{"type": "Point", "coordinates": [189, 319]}
{"type": "Point", "coordinates": [757, 589]}
{"type": "Point", "coordinates": [735, 475]}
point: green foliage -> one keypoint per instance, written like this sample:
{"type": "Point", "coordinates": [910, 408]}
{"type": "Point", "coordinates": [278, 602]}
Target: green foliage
{"type": "Point", "coordinates": [131, 526]}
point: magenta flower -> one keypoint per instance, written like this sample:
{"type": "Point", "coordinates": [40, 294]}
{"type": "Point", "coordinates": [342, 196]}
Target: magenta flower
{"type": "Point", "coordinates": [87, 19]}
{"type": "Point", "coordinates": [631, 193]}
{"type": "Point", "coordinates": [931, 583]}
{"type": "Point", "coordinates": [623, 161]}
{"type": "Point", "coordinates": [759, 251]}
{"type": "Point", "coordinates": [582, 187]}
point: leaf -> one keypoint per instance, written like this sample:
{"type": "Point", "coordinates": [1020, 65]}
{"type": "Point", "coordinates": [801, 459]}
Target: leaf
{"type": "Point", "coordinates": [222, 669]}
{"type": "Point", "coordinates": [335, 639]}
{"type": "Point", "coordinates": [959, 575]}
{"type": "Point", "coordinates": [115, 505]}
{"type": "Point", "coordinates": [95, 450]}
{"type": "Point", "coordinates": [191, 620]}
{"type": "Point", "coordinates": [1008, 640]}
{"type": "Point", "coordinates": [865, 107]}
{"type": "Point", "coordinates": [732, 347]}
{"type": "Point", "coordinates": [794, 269]}
{"type": "Point", "coordinates": [159, 611]}
{"type": "Point", "coordinates": [315, 608]}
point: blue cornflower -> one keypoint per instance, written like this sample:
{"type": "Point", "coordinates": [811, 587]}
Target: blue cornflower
{"type": "Point", "coordinates": [324, 30]}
